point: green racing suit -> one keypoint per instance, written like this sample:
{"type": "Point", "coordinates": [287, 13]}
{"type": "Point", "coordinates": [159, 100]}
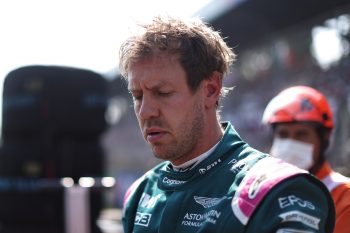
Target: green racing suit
{"type": "Point", "coordinates": [235, 189]}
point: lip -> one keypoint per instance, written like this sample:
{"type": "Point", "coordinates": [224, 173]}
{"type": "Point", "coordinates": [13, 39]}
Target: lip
{"type": "Point", "coordinates": [154, 135]}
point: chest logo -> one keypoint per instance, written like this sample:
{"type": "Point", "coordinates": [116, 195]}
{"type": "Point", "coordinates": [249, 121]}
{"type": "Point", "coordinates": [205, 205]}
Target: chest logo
{"type": "Point", "coordinates": [148, 201]}
{"type": "Point", "coordinates": [142, 219]}
{"type": "Point", "coordinates": [208, 202]}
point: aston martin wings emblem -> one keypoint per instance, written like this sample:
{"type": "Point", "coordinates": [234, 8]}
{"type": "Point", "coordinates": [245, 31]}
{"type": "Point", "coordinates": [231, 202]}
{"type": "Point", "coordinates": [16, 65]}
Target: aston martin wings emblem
{"type": "Point", "coordinates": [208, 202]}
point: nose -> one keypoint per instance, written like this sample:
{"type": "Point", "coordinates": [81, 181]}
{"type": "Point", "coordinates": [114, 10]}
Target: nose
{"type": "Point", "coordinates": [148, 108]}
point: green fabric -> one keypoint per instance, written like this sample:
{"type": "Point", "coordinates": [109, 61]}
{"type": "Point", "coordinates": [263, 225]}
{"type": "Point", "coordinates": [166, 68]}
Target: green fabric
{"type": "Point", "coordinates": [199, 200]}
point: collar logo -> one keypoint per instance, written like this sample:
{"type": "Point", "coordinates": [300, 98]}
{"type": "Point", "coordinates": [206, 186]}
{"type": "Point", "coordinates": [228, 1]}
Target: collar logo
{"type": "Point", "coordinates": [203, 170]}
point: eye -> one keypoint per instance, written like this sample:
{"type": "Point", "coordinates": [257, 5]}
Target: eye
{"type": "Point", "coordinates": [303, 135]}
{"type": "Point", "coordinates": [164, 93]}
{"type": "Point", "coordinates": [136, 96]}
{"type": "Point", "coordinates": [282, 134]}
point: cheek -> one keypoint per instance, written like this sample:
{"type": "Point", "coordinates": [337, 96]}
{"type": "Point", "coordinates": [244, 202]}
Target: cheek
{"type": "Point", "coordinates": [176, 114]}
{"type": "Point", "coordinates": [176, 106]}
{"type": "Point", "coordinates": [316, 151]}
{"type": "Point", "coordinates": [137, 111]}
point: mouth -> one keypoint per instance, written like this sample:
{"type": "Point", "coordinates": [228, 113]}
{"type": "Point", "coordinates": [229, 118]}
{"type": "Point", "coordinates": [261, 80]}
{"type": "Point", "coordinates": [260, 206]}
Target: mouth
{"type": "Point", "coordinates": [154, 135]}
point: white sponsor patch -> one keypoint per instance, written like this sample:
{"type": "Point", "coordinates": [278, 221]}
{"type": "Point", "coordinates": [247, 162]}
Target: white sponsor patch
{"type": "Point", "coordinates": [168, 181]}
{"type": "Point", "coordinates": [142, 219]}
{"type": "Point", "coordinates": [203, 170]}
{"type": "Point", "coordinates": [290, 230]}
{"type": "Point", "coordinates": [196, 220]}
{"type": "Point", "coordinates": [147, 201]}
{"type": "Point", "coordinates": [297, 216]}
{"type": "Point", "coordinates": [292, 200]}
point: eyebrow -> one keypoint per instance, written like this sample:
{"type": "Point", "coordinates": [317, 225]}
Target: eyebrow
{"type": "Point", "coordinates": [155, 87]}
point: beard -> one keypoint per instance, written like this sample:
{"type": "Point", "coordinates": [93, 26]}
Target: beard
{"type": "Point", "coordinates": [186, 137]}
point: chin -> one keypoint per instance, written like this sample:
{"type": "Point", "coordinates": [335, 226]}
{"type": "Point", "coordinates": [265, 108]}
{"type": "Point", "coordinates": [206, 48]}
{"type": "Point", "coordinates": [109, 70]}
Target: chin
{"type": "Point", "coordinates": [161, 155]}
{"type": "Point", "coordinates": [157, 153]}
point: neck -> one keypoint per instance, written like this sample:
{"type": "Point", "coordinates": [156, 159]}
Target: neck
{"type": "Point", "coordinates": [213, 135]}
{"type": "Point", "coordinates": [210, 137]}
{"type": "Point", "coordinates": [317, 166]}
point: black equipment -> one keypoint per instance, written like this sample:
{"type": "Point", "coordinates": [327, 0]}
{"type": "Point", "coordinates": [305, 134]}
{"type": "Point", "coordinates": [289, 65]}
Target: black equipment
{"type": "Point", "coordinates": [52, 120]}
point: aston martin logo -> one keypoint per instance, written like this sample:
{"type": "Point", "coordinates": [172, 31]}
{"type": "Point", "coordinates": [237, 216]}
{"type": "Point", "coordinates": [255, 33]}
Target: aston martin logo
{"type": "Point", "coordinates": [208, 202]}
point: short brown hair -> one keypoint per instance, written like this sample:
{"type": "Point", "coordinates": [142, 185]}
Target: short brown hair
{"type": "Point", "coordinates": [200, 49]}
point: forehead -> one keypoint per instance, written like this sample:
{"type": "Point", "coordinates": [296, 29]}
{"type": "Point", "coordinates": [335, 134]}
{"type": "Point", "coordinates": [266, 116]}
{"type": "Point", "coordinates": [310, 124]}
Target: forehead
{"type": "Point", "coordinates": [295, 127]}
{"type": "Point", "coordinates": [157, 70]}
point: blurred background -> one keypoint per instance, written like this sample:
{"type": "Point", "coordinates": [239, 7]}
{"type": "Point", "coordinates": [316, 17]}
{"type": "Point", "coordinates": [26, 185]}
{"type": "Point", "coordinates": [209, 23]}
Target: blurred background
{"type": "Point", "coordinates": [68, 131]}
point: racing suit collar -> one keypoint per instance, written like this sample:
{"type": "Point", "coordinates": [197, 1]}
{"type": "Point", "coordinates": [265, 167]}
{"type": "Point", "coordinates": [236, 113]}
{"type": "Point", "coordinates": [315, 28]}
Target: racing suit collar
{"type": "Point", "coordinates": [229, 144]}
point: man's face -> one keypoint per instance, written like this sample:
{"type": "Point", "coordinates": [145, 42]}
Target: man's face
{"type": "Point", "coordinates": [170, 116]}
{"type": "Point", "coordinates": [301, 132]}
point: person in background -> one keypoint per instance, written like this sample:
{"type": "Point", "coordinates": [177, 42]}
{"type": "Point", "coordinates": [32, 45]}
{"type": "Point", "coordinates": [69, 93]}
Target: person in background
{"type": "Point", "coordinates": [302, 122]}
{"type": "Point", "coordinates": [210, 180]}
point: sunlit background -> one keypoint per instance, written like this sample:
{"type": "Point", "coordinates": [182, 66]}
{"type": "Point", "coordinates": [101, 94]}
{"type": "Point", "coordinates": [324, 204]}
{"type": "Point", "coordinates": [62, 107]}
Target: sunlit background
{"type": "Point", "coordinates": [78, 33]}
{"type": "Point", "coordinates": [87, 34]}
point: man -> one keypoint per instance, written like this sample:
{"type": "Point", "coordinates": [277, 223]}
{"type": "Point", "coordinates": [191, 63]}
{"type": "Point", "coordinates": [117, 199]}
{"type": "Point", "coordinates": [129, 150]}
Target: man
{"type": "Point", "coordinates": [211, 180]}
{"type": "Point", "coordinates": [302, 121]}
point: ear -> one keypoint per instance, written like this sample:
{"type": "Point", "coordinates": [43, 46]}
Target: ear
{"type": "Point", "coordinates": [212, 89]}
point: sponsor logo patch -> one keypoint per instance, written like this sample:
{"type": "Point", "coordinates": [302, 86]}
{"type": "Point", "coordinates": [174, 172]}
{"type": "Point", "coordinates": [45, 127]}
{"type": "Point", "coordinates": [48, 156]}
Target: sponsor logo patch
{"type": "Point", "coordinates": [290, 230]}
{"type": "Point", "coordinates": [238, 165]}
{"type": "Point", "coordinates": [168, 181]}
{"type": "Point", "coordinates": [196, 220]}
{"type": "Point", "coordinates": [294, 200]}
{"type": "Point", "coordinates": [203, 170]}
{"type": "Point", "coordinates": [255, 186]}
{"type": "Point", "coordinates": [148, 201]}
{"type": "Point", "coordinates": [142, 219]}
{"type": "Point", "coordinates": [297, 216]}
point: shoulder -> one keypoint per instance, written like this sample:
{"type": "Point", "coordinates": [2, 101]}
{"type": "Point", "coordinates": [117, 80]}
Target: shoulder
{"type": "Point", "coordinates": [134, 193]}
{"type": "Point", "coordinates": [339, 186]}
{"type": "Point", "coordinates": [139, 184]}
{"type": "Point", "coordinates": [335, 180]}
{"type": "Point", "coordinates": [341, 196]}
{"type": "Point", "coordinates": [278, 191]}
{"type": "Point", "coordinates": [257, 183]}
{"type": "Point", "coordinates": [342, 191]}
